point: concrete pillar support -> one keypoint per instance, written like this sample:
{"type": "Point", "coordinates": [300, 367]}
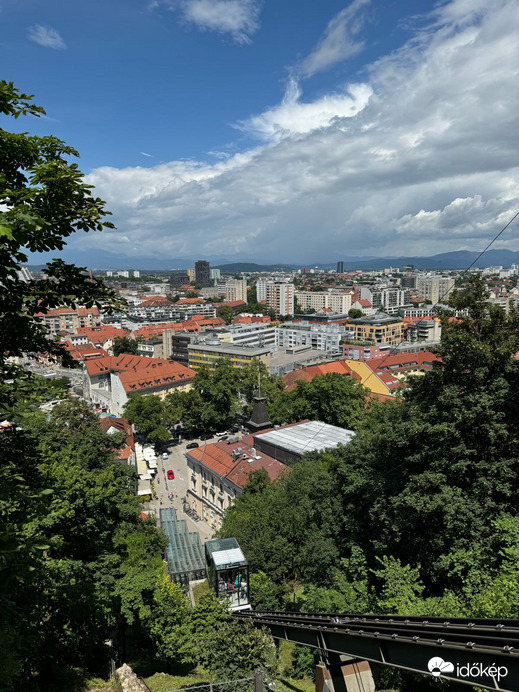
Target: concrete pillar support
{"type": "Point", "coordinates": [353, 676]}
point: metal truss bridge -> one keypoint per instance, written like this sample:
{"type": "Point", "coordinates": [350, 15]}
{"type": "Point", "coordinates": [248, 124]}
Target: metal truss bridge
{"type": "Point", "coordinates": [471, 651]}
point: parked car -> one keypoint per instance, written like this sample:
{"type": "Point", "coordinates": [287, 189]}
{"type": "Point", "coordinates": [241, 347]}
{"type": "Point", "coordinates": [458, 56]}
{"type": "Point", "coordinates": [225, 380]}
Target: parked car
{"type": "Point", "coordinates": [171, 475]}
{"type": "Point", "coordinates": [221, 434]}
{"type": "Point", "coordinates": [192, 445]}
{"type": "Point", "coordinates": [206, 436]}
{"type": "Point", "coordinates": [165, 456]}
{"type": "Point", "coordinates": [224, 437]}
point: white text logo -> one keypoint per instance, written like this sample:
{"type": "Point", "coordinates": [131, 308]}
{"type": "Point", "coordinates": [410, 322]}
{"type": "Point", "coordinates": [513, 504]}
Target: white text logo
{"type": "Point", "coordinates": [437, 666]}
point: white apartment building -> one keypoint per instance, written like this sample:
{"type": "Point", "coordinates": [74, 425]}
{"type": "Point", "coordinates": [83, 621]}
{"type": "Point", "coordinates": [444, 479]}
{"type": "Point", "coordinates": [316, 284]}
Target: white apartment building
{"type": "Point", "coordinates": [277, 295]}
{"type": "Point", "coordinates": [254, 335]}
{"type": "Point", "coordinates": [136, 273]}
{"type": "Point", "coordinates": [386, 299]}
{"type": "Point", "coordinates": [339, 303]}
{"type": "Point", "coordinates": [412, 311]}
{"type": "Point", "coordinates": [322, 337]}
{"type": "Point", "coordinates": [236, 289]}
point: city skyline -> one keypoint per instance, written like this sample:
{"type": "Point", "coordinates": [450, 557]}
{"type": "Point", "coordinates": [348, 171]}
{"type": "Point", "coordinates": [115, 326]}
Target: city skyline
{"type": "Point", "coordinates": [391, 133]}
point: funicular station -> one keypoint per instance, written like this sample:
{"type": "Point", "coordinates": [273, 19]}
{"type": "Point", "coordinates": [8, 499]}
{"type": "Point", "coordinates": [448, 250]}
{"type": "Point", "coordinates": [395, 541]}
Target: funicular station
{"type": "Point", "coordinates": [228, 572]}
{"type": "Point", "coordinates": [184, 552]}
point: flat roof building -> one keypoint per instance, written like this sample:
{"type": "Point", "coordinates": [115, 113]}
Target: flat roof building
{"type": "Point", "coordinates": [213, 349]}
{"type": "Point", "coordinates": [379, 329]}
{"type": "Point", "coordinates": [294, 441]}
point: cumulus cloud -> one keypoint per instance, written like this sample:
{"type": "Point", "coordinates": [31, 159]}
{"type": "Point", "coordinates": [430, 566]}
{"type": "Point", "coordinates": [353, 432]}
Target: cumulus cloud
{"type": "Point", "coordinates": [294, 117]}
{"type": "Point", "coordinates": [238, 18]}
{"type": "Point", "coordinates": [340, 40]}
{"type": "Point", "coordinates": [422, 158]}
{"type": "Point", "coordinates": [46, 36]}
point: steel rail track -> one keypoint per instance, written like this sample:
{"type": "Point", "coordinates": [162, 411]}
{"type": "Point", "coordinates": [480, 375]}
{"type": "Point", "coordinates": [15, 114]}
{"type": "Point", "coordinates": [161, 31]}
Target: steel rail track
{"type": "Point", "coordinates": [496, 635]}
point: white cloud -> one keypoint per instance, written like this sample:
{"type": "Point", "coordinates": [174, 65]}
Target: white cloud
{"type": "Point", "coordinates": [423, 158]}
{"type": "Point", "coordinates": [46, 36]}
{"type": "Point", "coordinates": [143, 153]}
{"type": "Point", "coordinates": [340, 40]}
{"type": "Point", "coordinates": [239, 18]}
{"type": "Point", "coordinates": [293, 117]}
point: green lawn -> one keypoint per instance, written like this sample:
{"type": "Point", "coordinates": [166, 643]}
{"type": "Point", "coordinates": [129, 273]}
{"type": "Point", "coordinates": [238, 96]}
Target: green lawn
{"type": "Point", "coordinates": [162, 682]}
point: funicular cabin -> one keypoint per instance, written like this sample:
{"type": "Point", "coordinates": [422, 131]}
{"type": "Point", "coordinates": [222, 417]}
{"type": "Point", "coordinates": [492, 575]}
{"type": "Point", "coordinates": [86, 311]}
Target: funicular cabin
{"type": "Point", "coordinates": [228, 572]}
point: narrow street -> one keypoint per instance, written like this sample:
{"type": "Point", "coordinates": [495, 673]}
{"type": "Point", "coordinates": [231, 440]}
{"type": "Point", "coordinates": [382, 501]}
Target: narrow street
{"type": "Point", "coordinates": [176, 488]}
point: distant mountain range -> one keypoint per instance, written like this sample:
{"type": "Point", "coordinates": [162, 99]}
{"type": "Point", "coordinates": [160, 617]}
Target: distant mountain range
{"type": "Point", "coordinates": [102, 260]}
{"type": "Point", "coordinates": [461, 259]}
{"type": "Point", "coordinates": [235, 267]}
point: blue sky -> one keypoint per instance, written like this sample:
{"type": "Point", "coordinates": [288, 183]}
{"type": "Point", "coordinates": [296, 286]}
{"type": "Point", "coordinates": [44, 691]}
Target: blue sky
{"type": "Point", "coordinates": [280, 130]}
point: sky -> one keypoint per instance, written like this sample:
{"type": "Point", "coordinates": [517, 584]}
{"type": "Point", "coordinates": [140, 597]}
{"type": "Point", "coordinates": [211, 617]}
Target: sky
{"type": "Point", "coordinates": [279, 130]}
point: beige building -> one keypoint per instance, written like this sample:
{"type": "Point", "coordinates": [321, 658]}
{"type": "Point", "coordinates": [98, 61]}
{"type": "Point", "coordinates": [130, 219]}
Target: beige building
{"type": "Point", "coordinates": [236, 289]}
{"type": "Point", "coordinates": [339, 303]}
{"type": "Point", "coordinates": [217, 473]}
{"type": "Point", "coordinates": [69, 319]}
{"type": "Point", "coordinates": [380, 329]}
{"type": "Point", "coordinates": [211, 350]}
{"type": "Point", "coordinates": [434, 288]}
{"type": "Point", "coordinates": [153, 348]}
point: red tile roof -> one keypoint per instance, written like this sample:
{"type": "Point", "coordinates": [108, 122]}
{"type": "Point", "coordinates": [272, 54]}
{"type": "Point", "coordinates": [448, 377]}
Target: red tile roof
{"type": "Point", "coordinates": [194, 324]}
{"type": "Point", "coordinates": [235, 303]}
{"type": "Point", "coordinates": [251, 319]}
{"type": "Point", "coordinates": [403, 361]}
{"type": "Point", "coordinates": [81, 312]}
{"type": "Point", "coordinates": [83, 352]}
{"type": "Point", "coordinates": [189, 301]}
{"type": "Point", "coordinates": [159, 373]}
{"type": "Point", "coordinates": [139, 373]}
{"type": "Point", "coordinates": [159, 300]}
{"type": "Point", "coordinates": [308, 373]}
{"type": "Point", "coordinates": [219, 458]}
{"type": "Point", "coordinates": [98, 335]}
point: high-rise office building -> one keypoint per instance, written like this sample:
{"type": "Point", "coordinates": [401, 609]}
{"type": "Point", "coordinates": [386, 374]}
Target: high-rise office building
{"type": "Point", "coordinates": [203, 274]}
{"type": "Point", "coordinates": [340, 267]}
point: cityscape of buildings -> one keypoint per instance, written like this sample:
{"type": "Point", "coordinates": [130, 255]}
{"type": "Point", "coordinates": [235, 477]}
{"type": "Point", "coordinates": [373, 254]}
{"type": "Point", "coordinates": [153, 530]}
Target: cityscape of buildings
{"type": "Point", "coordinates": [377, 327]}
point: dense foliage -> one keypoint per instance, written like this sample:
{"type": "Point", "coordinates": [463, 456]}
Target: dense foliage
{"type": "Point", "coordinates": [332, 398]}
{"type": "Point", "coordinates": [125, 344]}
{"type": "Point", "coordinates": [210, 405]}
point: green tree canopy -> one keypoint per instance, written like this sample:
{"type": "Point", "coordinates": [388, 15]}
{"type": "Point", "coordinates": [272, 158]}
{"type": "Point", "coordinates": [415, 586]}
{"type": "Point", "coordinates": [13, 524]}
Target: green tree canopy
{"type": "Point", "coordinates": [225, 312]}
{"type": "Point", "coordinates": [124, 344]}
{"type": "Point", "coordinates": [151, 416]}
{"type": "Point", "coordinates": [333, 398]}
{"type": "Point", "coordinates": [442, 466]}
